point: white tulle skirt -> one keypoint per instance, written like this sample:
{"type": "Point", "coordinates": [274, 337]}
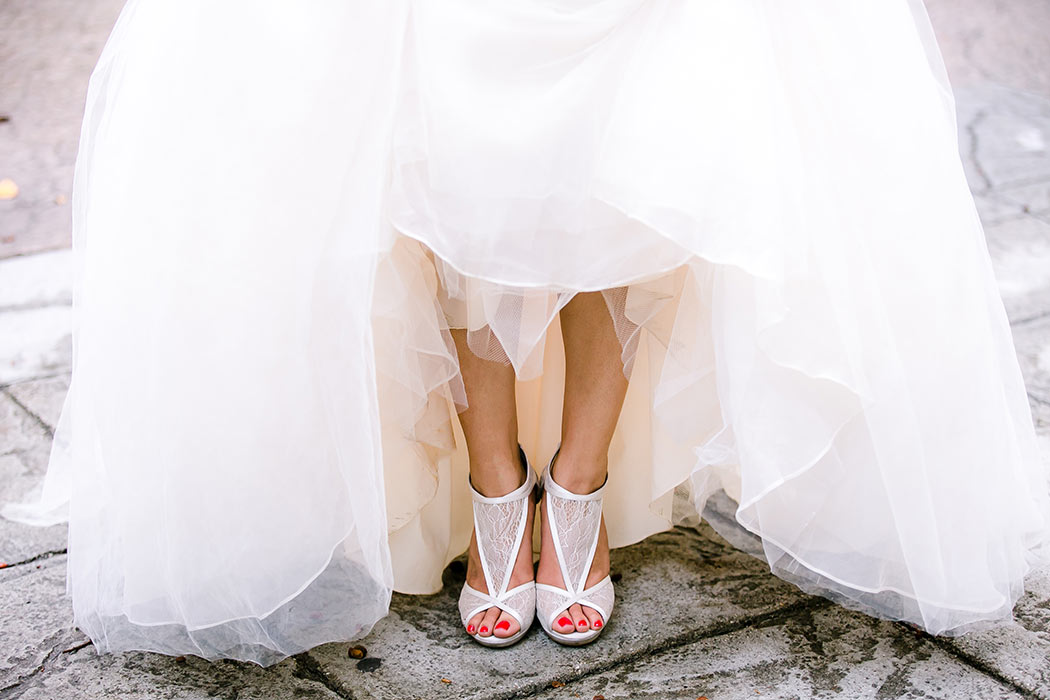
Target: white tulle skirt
{"type": "Point", "coordinates": [280, 209]}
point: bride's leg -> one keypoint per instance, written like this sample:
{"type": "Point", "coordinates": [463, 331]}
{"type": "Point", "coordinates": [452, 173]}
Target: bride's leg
{"type": "Point", "coordinates": [595, 387]}
{"type": "Point", "coordinates": [490, 426]}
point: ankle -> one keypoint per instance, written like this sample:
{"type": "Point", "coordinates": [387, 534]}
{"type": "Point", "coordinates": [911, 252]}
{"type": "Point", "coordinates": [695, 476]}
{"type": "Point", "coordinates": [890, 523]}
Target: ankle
{"type": "Point", "coordinates": [580, 473]}
{"type": "Point", "coordinates": [497, 475]}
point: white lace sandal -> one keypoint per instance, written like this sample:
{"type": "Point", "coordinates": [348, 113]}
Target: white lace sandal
{"type": "Point", "coordinates": [574, 520]}
{"type": "Point", "coordinates": [499, 525]}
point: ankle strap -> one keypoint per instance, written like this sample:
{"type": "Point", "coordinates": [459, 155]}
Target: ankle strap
{"type": "Point", "coordinates": [560, 491]}
{"type": "Point", "coordinates": [518, 493]}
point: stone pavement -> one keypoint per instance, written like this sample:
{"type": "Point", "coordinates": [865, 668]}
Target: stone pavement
{"type": "Point", "coordinates": [696, 617]}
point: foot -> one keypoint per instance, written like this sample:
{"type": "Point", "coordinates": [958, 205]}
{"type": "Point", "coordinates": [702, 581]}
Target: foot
{"type": "Point", "coordinates": [498, 481]}
{"type": "Point", "coordinates": [580, 477]}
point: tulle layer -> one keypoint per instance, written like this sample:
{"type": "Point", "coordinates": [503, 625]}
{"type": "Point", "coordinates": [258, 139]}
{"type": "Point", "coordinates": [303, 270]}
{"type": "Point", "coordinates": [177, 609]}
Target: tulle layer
{"type": "Point", "coordinates": [274, 235]}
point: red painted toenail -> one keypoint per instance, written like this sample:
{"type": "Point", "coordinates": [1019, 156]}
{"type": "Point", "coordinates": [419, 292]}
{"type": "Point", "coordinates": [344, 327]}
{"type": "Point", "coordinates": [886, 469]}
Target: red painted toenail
{"type": "Point", "coordinates": [483, 630]}
{"type": "Point", "coordinates": [597, 624]}
{"type": "Point", "coordinates": [503, 625]}
{"type": "Point", "coordinates": [582, 623]}
{"type": "Point", "coordinates": [470, 628]}
{"type": "Point", "coordinates": [564, 621]}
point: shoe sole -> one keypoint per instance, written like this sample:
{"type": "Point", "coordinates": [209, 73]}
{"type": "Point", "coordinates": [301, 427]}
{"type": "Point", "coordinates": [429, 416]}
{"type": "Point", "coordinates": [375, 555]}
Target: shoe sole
{"type": "Point", "coordinates": [499, 642]}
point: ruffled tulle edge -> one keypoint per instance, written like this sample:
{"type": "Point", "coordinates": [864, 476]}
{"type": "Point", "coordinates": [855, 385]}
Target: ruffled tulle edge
{"type": "Point", "coordinates": [666, 287]}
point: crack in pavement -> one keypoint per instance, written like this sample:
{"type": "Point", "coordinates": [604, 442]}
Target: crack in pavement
{"type": "Point", "coordinates": [307, 668]}
{"type": "Point", "coordinates": [1029, 319]}
{"type": "Point", "coordinates": [971, 130]}
{"type": "Point", "coordinates": [35, 558]}
{"type": "Point", "coordinates": [64, 302]}
{"type": "Point", "coordinates": [982, 667]}
{"type": "Point", "coordinates": [16, 689]}
{"type": "Point", "coordinates": [36, 418]}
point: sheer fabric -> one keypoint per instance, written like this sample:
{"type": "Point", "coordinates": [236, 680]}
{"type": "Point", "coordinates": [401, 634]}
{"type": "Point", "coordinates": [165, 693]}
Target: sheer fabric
{"type": "Point", "coordinates": [281, 209]}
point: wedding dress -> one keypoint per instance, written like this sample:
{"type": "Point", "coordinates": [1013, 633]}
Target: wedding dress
{"type": "Point", "coordinates": [281, 208]}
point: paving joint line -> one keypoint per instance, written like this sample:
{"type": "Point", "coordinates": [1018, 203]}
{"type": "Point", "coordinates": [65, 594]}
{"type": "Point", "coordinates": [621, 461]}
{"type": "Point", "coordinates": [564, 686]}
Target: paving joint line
{"type": "Point", "coordinates": [982, 667]}
{"type": "Point", "coordinates": [1031, 319]}
{"type": "Point", "coordinates": [36, 419]}
{"type": "Point", "coordinates": [62, 303]}
{"type": "Point", "coordinates": [35, 377]}
{"type": "Point", "coordinates": [675, 642]}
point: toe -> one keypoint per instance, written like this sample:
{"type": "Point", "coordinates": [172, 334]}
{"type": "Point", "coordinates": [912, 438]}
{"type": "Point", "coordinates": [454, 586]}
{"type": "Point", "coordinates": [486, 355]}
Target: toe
{"type": "Point", "coordinates": [475, 622]}
{"type": "Point", "coordinates": [488, 621]}
{"type": "Point", "coordinates": [506, 625]}
{"type": "Point", "coordinates": [579, 622]}
{"type": "Point", "coordinates": [594, 618]}
{"type": "Point", "coordinates": [564, 624]}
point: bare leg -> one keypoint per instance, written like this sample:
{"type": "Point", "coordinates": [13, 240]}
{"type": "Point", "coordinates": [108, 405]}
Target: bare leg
{"type": "Point", "coordinates": [595, 387]}
{"type": "Point", "coordinates": [490, 425]}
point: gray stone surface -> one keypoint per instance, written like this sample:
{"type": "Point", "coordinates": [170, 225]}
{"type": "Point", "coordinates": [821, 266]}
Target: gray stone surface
{"type": "Point", "coordinates": [25, 445]}
{"type": "Point", "coordinates": [1004, 43]}
{"type": "Point", "coordinates": [1032, 342]}
{"type": "Point", "coordinates": [821, 652]}
{"type": "Point", "coordinates": [1020, 652]}
{"type": "Point", "coordinates": [47, 51]}
{"type": "Point", "coordinates": [37, 592]}
{"type": "Point", "coordinates": [675, 586]}
{"type": "Point", "coordinates": [42, 397]}
{"type": "Point", "coordinates": [1020, 252]}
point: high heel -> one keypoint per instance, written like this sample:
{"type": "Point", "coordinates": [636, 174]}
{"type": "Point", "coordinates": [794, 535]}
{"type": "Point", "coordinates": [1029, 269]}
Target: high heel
{"type": "Point", "coordinates": [574, 521]}
{"type": "Point", "coordinates": [499, 525]}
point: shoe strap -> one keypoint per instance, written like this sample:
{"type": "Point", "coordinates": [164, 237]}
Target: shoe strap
{"type": "Point", "coordinates": [552, 601]}
{"type": "Point", "coordinates": [548, 483]}
{"type": "Point", "coordinates": [574, 521]}
{"type": "Point", "coordinates": [514, 602]}
{"type": "Point", "coordinates": [499, 525]}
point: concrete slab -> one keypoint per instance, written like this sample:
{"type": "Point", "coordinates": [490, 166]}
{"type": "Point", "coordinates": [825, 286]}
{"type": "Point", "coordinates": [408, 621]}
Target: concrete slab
{"type": "Point", "coordinates": [814, 653]}
{"type": "Point", "coordinates": [675, 586]}
{"type": "Point", "coordinates": [993, 208]}
{"type": "Point", "coordinates": [24, 449]}
{"type": "Point", "coordinates": [42, 397]}
{"type": "Point", "coordinates": [1004, 137]}
{"type": "Point", "coordinates": [35, 342]}
{"type": "Point", "coordinates": [1020, 253]}
{"type": "Point", "coordinates": [999, 42]}
{"type": "Point", "coordinates": [35, 593]}
{"type": "Point", "coordinates": [46, 657]}
{"type": "Point", "coordinates": [84, 675]}
{"type": "Point", "coordinates": [1032, 342]}
{"type": "Point", "coordinates": [1020, 652]}
{"type": "Point", "coordinates": [47, 48]}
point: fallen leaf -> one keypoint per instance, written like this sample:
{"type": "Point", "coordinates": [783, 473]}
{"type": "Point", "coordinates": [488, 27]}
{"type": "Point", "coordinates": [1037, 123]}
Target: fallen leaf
{"type": "Point", "coordinates": [447, 681]}
{"type": "Point", "coordinates": [357, 652]}
{"type": "Point", "coordinates": [557, 684]}
{"type": "Point", "coordinates": [8, 188]}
